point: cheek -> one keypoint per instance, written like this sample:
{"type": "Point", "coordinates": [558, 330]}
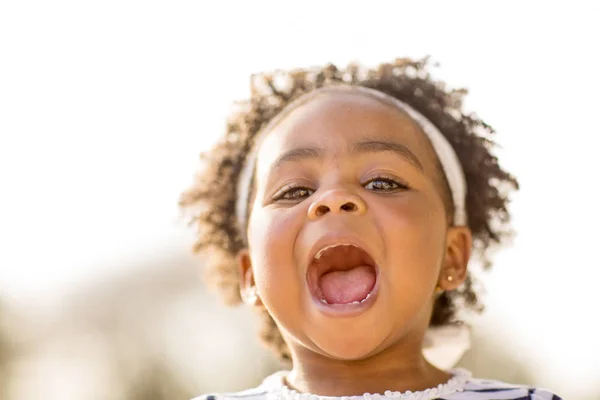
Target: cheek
{"type": "Point", "coordinates": [271, 236]}
{"type": "Point", "coordinates": [415, 236]}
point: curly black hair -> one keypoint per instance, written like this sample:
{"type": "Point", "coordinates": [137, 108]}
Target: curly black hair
{"type": "Point", "coordinates": [212, 196]}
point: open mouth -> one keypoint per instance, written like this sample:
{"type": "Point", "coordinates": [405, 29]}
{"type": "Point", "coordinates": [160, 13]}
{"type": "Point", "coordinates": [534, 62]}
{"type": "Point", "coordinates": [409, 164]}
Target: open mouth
{"type": "Point", "coordinates": [342, 274]}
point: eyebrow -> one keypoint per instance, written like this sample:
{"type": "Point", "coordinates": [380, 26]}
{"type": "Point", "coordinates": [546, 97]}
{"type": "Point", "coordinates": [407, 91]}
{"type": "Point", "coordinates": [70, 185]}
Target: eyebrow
{"type": "Point", "coordinates": [298, 154]}
{"type": "Point", "coordinates": [378, 146]}
{"type": "Point", "coordinates": [362, 147]}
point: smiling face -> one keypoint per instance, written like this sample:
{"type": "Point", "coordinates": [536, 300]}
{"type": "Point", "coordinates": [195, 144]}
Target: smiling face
{"type": "Point", "coordinates": [348, 173]}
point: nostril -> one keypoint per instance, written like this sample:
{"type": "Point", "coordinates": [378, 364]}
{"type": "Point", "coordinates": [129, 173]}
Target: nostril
{"type": "Point", "coordinates": [349, 207]}
{"type": "Point", "coordinates": [319, 209]}
{"type": "Point", "coordinates": [322, 210]}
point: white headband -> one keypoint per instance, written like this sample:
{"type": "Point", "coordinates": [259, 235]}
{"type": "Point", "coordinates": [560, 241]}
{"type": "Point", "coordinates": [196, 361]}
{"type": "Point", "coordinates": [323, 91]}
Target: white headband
{"type": "Point", "coordinates": [446, 154]}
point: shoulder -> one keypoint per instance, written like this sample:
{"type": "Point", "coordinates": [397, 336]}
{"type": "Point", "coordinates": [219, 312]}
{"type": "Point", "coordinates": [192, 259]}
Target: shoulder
{"type": "Point", "coordinates": [250, 394]}
{"type": "Point", "coordinates": [258, 393]}
{"type": "Point", "coordinates": [487, 389]}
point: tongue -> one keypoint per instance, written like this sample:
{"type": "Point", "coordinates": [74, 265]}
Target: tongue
{"type": "Point", "coordinates": [342, 287]}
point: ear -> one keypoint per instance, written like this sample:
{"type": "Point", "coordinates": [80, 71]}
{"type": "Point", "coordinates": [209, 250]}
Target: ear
{"type": "Point", "coordinates": [459, 241]}
{"type": "Point", "coordinates": [248, 289]}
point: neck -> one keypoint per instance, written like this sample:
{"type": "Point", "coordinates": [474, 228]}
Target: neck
{"type": "Point", "coordinates": [399, 368]}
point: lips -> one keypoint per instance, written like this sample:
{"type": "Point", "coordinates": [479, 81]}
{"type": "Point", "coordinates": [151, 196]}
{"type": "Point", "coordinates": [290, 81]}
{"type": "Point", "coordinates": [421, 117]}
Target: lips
{"type": "Point", "coordinates": [341, 273]}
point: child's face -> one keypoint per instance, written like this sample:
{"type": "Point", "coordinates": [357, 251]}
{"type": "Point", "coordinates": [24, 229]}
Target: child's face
{"type": "Point", "coordinates": [346, 194]}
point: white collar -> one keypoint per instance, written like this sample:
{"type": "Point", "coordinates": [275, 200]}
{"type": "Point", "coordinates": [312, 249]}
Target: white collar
{"type": "Point", "coordinates": [277, 389]}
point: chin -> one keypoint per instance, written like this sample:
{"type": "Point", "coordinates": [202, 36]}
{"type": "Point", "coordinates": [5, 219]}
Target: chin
{"type": "Point", "coordinates": [348, 345]}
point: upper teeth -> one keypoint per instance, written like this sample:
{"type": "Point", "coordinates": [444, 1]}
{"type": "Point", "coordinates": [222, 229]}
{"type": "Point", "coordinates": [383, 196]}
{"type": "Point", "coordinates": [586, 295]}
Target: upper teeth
{"type": "Point", "coordinates": [320, 253]}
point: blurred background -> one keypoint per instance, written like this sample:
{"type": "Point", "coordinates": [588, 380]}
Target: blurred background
{"type": "Point", "coordinates": [105, 106]}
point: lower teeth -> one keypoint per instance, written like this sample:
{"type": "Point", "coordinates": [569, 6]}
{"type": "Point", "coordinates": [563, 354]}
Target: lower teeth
{"type": "Point", "coordinates": [354, 302]}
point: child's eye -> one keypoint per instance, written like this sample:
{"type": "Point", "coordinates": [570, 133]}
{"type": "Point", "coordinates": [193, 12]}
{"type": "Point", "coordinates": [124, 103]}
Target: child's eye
{"type": "Point", "coordinates": [292, 193]}
{"type": "Point", "coordinates": [380, 184]}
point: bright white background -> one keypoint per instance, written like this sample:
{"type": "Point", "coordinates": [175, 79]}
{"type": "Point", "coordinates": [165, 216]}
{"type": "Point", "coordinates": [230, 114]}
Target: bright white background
{"type": "Point", "coordinates": [104, 107]}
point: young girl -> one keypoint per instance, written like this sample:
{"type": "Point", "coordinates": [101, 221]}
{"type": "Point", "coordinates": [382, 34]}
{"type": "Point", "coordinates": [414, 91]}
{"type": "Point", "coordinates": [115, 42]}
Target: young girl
{"type": "Point", "coordinates": [344, 204]}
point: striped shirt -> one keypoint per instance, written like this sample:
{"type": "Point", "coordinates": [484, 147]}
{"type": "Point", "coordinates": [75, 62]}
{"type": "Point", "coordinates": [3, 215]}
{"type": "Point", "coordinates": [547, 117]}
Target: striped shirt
{"type": "Point", "coordinates": [462, 386]}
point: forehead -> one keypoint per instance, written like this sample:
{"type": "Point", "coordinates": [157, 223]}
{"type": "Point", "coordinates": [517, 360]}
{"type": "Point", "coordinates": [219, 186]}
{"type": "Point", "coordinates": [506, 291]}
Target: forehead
{"type": "Point", "coordinates": [334, 120]}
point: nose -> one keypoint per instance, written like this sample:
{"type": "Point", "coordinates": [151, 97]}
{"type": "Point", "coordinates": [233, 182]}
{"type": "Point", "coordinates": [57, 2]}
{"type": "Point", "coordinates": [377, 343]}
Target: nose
{"type": "Point", "coordinates": [336, 201]}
